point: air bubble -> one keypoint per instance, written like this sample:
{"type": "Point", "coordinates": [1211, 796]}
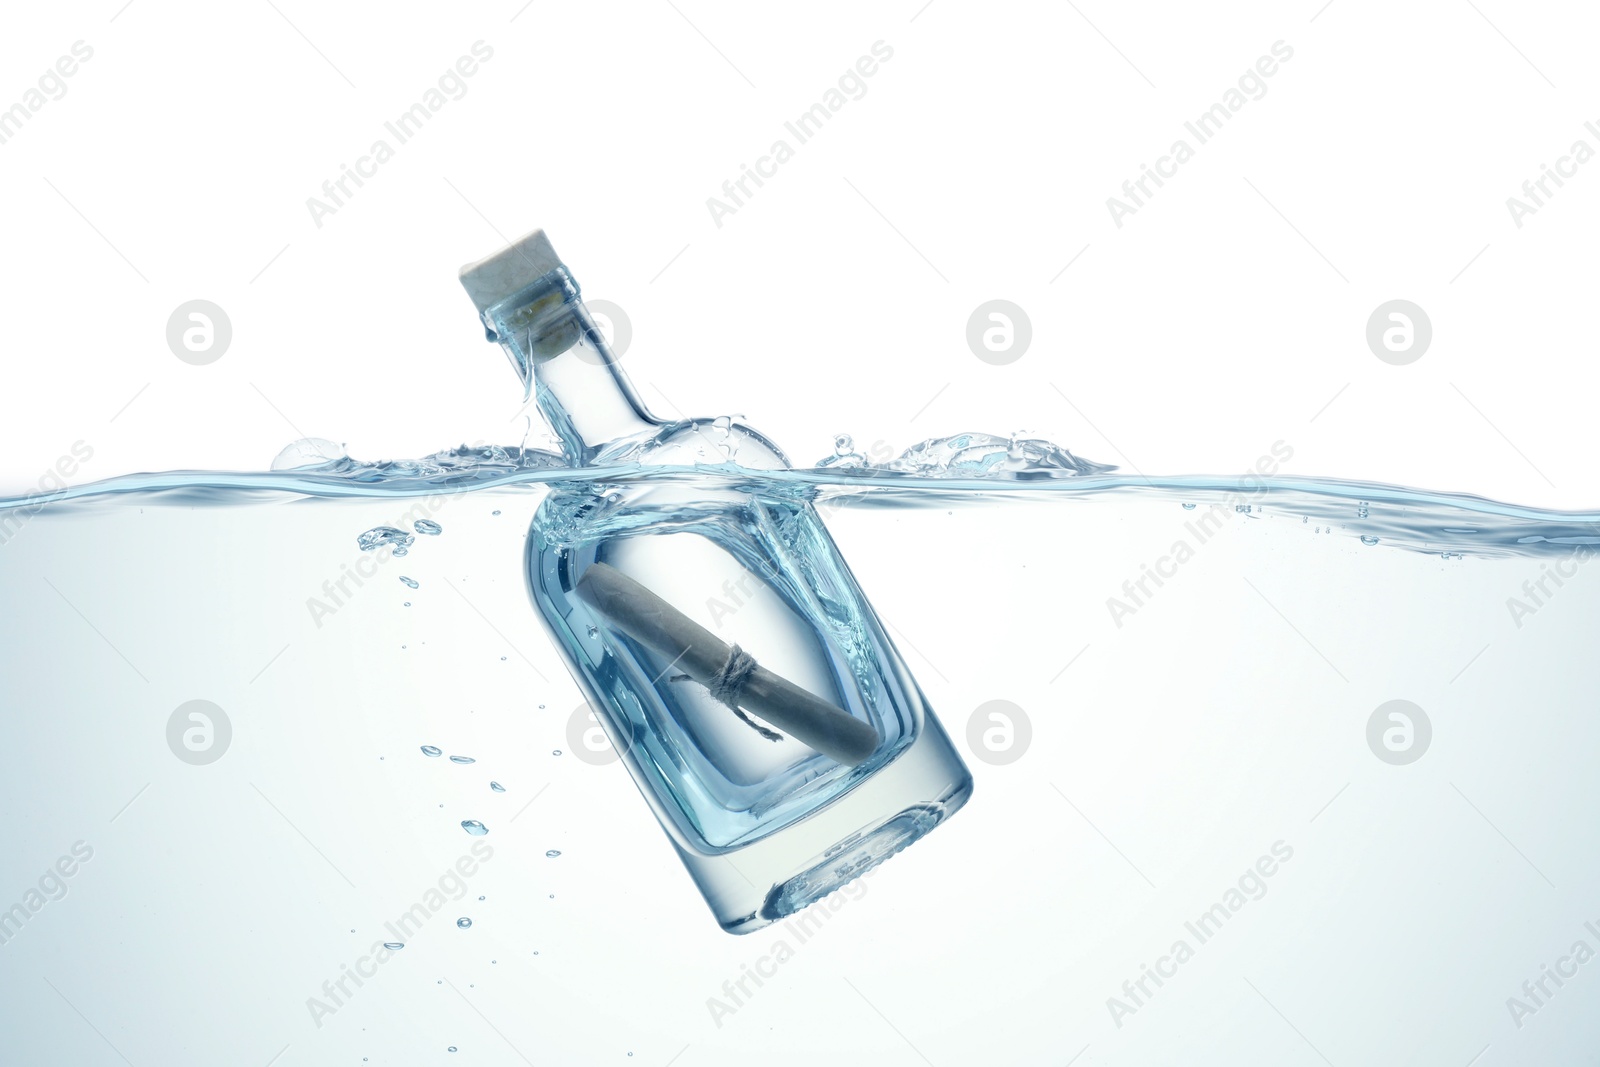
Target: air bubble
{"type": "Point", "coordinates": [378, 536]}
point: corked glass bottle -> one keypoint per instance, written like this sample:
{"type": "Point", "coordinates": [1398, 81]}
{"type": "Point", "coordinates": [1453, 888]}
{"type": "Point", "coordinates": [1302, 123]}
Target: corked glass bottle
{"type": "Point", "coordinates": [721, 640]}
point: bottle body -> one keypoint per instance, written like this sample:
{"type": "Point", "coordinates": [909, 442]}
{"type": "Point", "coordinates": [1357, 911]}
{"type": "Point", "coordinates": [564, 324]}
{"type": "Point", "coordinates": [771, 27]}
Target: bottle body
{"type": "Point", "coordinates": [764, 827]}
{"type": "Point", "coordinates": [764, 823]}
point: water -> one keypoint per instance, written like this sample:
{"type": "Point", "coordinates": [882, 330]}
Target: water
{"type": "Point", "coordinates": [1197, 662]}
{"type": "Point", "coordinates": [940, 472]}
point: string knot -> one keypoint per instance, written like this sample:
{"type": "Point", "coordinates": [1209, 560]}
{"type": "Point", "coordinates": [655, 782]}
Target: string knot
{"type": "Point", "coordinates": [726, 684]}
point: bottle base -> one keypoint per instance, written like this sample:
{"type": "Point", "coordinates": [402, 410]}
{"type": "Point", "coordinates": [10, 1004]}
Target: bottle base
{"type": "Point", "coordinates": [765, 882]}
{"type": "Point", "coordinates": [856, 856]}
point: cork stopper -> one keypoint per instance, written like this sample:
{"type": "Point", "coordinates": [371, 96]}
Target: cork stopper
{"type": "Point", "coordinates": [505, 273]}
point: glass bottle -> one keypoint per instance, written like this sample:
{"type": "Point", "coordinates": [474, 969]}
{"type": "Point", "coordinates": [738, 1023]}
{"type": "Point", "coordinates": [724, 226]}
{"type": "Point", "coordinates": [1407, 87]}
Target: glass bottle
{"type": "Point", "coordinates": [764, 823]}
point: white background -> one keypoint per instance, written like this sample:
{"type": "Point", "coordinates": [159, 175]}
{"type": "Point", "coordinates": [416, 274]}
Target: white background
{"type": "Point", "coordinates": [1224, 316]}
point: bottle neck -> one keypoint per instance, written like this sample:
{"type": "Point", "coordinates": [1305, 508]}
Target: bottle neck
{"type": "Point", "coordinates": [568, 366]}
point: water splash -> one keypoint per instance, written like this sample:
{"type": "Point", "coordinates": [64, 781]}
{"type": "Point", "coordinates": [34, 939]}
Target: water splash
{"type": "Point", "coordinates": [971, 455]}
{"type": "Point", "coordinates": [939, 472]}
{"type": "Point", "coordinates": [310, 453]}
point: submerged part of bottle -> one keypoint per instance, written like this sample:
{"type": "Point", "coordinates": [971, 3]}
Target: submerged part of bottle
{"type": "Point", "coordinates": [764, 822]}
{"type": "Point", "coordinates": [765, 826]}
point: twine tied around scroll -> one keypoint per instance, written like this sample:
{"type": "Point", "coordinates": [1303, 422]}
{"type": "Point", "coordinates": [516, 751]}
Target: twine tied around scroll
{"type": "Point", "coordinates": [724, 687]}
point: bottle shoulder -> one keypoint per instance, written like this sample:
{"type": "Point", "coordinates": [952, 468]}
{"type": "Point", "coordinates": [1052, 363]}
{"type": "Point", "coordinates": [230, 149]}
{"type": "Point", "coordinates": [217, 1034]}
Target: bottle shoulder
{"type": "Point", "coordinates": [692, 442]}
